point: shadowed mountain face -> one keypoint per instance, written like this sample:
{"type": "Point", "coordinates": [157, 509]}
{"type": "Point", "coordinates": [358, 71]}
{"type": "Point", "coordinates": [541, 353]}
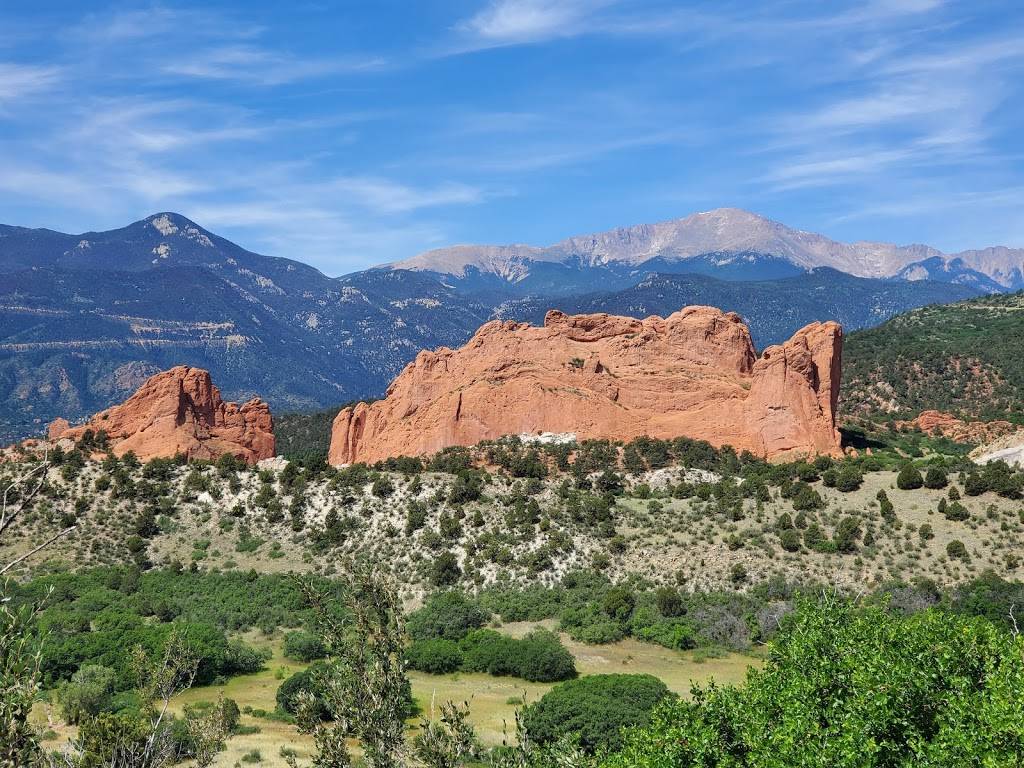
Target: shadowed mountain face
{"type": "Point", "coordinates": [85, 319]}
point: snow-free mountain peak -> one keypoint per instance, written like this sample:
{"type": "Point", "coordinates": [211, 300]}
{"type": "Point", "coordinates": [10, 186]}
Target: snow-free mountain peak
{"type": "Point", "coordinates": [712, 237]}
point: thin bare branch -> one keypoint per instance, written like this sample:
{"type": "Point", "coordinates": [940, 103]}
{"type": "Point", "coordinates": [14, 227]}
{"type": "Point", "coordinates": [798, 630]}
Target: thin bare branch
{"type": "Point", "coordinates": [9, 512]}
{"type": "Point", "coordinates": [44, 545]}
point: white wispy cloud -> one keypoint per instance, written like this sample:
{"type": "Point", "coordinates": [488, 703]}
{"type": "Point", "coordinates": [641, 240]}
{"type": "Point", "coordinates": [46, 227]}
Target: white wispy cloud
{"type": "Point", "coordinates": [158, 126]}
{"type": "Point", "coordinates": [553, 154]}
{"type": "Point", "coordinates": [901, 106]}
{"type": "Point", "coordinates": [55, 187]}
{"type": "Point", "coordinates": [126, 25]}
{"type": "Point", "coordinates": [97, 154]}
{"type": "Point", "coordinates": [336, 239]}
{"type": "Point", "coordinates": [880, 11]}
{"type": "Point", "coordinates": [19, 80]}
{"type": "Point", "coordinates": [519, 22]}
{"type": "Point", "coordinates": [261, 66]}
{"type": "Point", "coordinates": [961, 58]}
{"type": "Point", "coordinates": [819, 170]}
{"type": "Point", "coordinates": [927, 199]}
{"type": "Point", "coordinates": [207, 43]}
{"type": "Point", "coordinates": [388, 196]}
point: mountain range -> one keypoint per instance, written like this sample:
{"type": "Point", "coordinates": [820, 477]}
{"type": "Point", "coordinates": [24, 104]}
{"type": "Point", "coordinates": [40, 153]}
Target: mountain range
{"type": "Point", "coordinates": [85, 318]}
{"type": "Point", "coordinates": [729, 243]}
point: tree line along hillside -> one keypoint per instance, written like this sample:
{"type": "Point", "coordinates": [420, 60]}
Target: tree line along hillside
{"type": "Point", "coordinates": [512, 512]}
{"type": "Point", "coordinates": [961, 358]}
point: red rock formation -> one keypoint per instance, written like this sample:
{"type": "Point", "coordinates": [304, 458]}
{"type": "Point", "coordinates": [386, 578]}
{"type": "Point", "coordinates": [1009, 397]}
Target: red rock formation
{"type": "Point", "coordinates": [57, 428]}
{"type": "Point", "coordinates": [940, 424]}
{"type": "Point", "coordinates": [180, 411]}
{"type": "Point", "coordinates": [693, 373]}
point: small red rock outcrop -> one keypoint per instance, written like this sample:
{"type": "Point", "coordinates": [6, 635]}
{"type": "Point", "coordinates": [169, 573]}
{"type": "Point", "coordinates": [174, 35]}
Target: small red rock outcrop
{"type": "Point", "coordinates": [941, 424]}
{"type": "Point", "coordinates": [693, 374]}
{"type": "Point", "coordinates": [181, 411]}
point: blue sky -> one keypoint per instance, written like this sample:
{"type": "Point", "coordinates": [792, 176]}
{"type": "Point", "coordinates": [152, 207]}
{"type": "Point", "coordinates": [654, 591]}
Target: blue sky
{"type": "Point", "coordinates": [345, 134]}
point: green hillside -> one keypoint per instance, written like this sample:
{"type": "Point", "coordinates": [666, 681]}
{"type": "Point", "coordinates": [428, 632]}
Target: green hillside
{"type": "Point", "coordinates": [965, 358]}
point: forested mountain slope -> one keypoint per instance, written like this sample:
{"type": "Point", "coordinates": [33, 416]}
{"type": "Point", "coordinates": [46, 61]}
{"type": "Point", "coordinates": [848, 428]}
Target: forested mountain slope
{"type": "Point", "coordinates": [964, 358]}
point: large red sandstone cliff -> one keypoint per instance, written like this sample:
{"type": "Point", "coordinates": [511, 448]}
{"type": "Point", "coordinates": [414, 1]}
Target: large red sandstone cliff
{"type": "Point", "coordinates": [694, 374]}
{"type": "Point", "coordinates": [181, 411]}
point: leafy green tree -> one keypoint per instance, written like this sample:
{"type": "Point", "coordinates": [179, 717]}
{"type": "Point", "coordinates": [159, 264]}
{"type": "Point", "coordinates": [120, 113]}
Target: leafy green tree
{"type": "Point", "coordinates": [846, 534]}
{"type": "Point", "coordinates": [935, 478]}
{"type": "Point", "coordinates": [303, 646]}
{"type": "Point", "coordinates": [19, 681]}
{"type": "Point", "coordinates": [909, 478]}
{"type": "Point", "coordinates": [21, 640]}
{"type": "Point", "coordinates": [542, 658]}
{"type": "Point", "coordinates": [468, 486]}
{"type": "Point", "coordinates": [447, 741]}
{"type": "Point", "coordinates": [302, 682]}
{"type": "Point", "coordinates": [230, 715]}
{"type": "Point", "coordinates": [849, 478]}
{"type": "Point", "coordinates": [975, 485]}
{"type": "Point", "coordinates": [805, 498]}
{"type": "Point", "coordinates": [145, 738]}
{"type": "Point", "coordinates": [415, 517]}
{"type": "Point", "coordinates": [594, 709]}
{"type": "Point", "coordinates": [382, 487]}
{"type": "Point", "coordinates": [670, 602]}
{"type": "Point", "coordinates": [738, 574]}
{"type": "Point", "coordinates": [956, 512]}
{"type": "Point", "coordinates": [789, 539]}
{"type": "Point", "coordinates": [807, 473]}
{"type": "Point", "coordinates": [538, 657]}
{"type": "Point", "coordinates": [445, 571]}
{"type": "Point", "coordinates": [364, 686]}
{"type": "Point", "coordinates": [449, 615]}
{"type": "Point", "coordinates": [816, 540]}
{"type": "Point", "coordinates": [957, 550]}
{"type": "Point", "coordinates": [89, 692]}
{"type": "Point", "coordinates": [851, 686]}
{"type": "Point", "coordinates": [886, 508]}
{"type": "Point", "coordinates": [435, 655]}
{"type": "Point", "coordinates": [619, 602]}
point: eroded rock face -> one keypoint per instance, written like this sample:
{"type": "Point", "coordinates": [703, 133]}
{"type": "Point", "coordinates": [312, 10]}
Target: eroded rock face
{"type": "Point", "coordinates": [940, 424]}
{"type": "Point", "coordinates": [1008, 448]}
{"type": "Point", "coordinates": [181, 411]}
{"type": "Point", "coordinates": [694, 374]}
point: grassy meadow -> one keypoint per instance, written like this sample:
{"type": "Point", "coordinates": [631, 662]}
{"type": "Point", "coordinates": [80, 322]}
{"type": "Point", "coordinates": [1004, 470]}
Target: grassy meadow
{"type": "Point", "coordinates": [493, 700]}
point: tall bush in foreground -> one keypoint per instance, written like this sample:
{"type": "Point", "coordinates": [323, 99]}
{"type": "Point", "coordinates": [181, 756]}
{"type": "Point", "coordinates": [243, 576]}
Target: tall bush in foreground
{"type": "Point", "coordinates": [20, 636]}
{"type": "Point", "coordinates": [845, 686]}
{"type": "Point", "coordinates": [364, 688]}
